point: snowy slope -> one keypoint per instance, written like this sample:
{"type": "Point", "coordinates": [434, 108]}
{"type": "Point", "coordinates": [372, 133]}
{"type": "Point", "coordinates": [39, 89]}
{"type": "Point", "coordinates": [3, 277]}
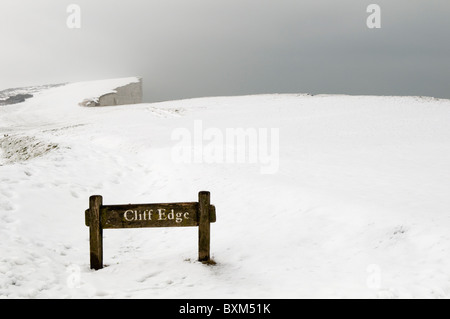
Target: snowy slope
{"type": "Point", "coordinates": [359, 207]}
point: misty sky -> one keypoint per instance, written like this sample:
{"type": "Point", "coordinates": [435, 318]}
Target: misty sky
{"type": "Point", "coordinates": [197, 48]}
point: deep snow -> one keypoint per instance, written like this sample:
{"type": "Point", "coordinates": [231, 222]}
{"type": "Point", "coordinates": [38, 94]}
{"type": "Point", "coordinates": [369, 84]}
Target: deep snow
{"type": "Point", "coordinates": [359, 207]}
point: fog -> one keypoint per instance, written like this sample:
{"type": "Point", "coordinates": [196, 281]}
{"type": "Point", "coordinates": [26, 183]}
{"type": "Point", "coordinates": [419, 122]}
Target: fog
{"type": "Point", "coordinates": [198, 48]}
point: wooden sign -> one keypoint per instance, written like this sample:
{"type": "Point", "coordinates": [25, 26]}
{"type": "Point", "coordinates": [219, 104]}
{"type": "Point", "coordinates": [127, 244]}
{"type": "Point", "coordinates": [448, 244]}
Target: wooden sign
{"type": "Point", "coordinates": [99, 217]}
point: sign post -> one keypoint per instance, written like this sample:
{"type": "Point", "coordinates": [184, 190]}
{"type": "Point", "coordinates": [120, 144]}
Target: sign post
{"type": "Point", "coordinates": [99, 217]}
{"type": "Point", "coordinates": [95, 232]}
{"type": "Point", "coordinates": [204, 229]}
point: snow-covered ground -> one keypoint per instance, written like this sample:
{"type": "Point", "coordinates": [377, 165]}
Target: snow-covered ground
{"type": "Point", "coordinates": [358, 208]}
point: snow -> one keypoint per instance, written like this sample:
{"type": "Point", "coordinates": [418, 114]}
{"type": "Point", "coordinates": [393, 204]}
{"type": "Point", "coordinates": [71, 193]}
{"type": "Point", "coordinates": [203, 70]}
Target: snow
{"type": "Point", "coordinates": [359, 206]}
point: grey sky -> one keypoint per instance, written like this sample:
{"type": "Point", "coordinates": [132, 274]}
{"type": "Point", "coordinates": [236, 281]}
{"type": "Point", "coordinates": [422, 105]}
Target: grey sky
{"type": "Point", "coordinates": [196, 48]}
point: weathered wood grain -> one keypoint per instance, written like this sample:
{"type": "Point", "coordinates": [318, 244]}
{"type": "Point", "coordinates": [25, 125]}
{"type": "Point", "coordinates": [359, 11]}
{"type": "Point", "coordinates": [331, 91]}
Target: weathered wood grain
{"type": "Point", "coordinates": [204, 227]}
{"type": "Point", "coordinates": [95, 232]}
{"type": "Point", "coordinates": [99, 217]}
{"type": "Point", "coordinates": [111, 219]}
{"type": "Point", "coordinates": [149, 215]}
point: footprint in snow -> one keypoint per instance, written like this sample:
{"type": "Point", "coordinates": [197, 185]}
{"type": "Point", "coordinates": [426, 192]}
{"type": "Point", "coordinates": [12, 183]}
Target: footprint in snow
{"type": "Point", "coordinates": [6, 206]}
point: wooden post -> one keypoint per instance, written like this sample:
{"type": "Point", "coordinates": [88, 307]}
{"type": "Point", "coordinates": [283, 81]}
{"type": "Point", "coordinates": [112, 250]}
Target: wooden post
{"type": "Point", "coordinates": [95, 232]}
{"type": "Point", "coordinates": [204, 227]}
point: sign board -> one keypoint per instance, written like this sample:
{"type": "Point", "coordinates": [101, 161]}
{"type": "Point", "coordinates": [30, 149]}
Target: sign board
{"type": "Point", "coordinates": [194, 214]}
